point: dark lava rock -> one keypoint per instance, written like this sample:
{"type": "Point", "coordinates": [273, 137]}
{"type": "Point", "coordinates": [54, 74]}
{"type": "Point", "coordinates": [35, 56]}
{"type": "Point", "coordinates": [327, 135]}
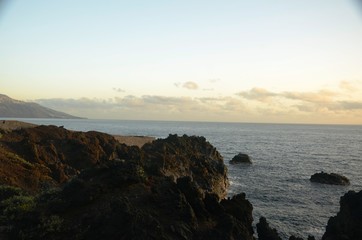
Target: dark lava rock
{"type": "Point", "coordinates": [180, 156]}
{"type": "Point", "coordinates": [46, 156]}
{"type": "Point", "coordinates": [168, 189]}
{"type": "Point", "coordinates": [347, 225]}
{"type": "Point", "coordinates": [332, 178]}
{"type": "Point", "coordinates": [240, 158]}
{"type": "Point", "coordinates": [118, 200]}
{"type": "Point", "coordinates": [265, 232]}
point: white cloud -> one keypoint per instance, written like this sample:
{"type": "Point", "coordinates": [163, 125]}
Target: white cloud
{"type": "Point", "coordinates": [255, 105]}
{"type": "Point", "coordinates": [188, 85]}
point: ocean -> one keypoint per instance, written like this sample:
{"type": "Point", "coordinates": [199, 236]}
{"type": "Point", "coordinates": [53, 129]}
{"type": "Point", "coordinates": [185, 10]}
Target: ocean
{"type": "Point", "coordinates": [284, 157]}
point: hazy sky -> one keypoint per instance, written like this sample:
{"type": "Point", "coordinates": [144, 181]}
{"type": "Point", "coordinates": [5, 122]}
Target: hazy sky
{"type": "Point", "coordinates": [247, 61]}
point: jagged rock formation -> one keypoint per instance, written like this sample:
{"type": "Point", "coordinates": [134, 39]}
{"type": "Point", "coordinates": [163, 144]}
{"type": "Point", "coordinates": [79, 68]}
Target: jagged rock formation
{"type": "Point", "coordinates": [240, 158]}
{"type": "Point", "coordinates": [347, 225]}
{"type": "Point", "coordinates": [12, 108]}
{"type": "Point", "coordinates": [188, 156]}
{"type": "Point", "coordinates": [169, 189]}
{"type": "Point", "coordinates": [265, 232]}
{"type": "Point", "coordinates": [45, 156]}
{"type": "Point", "coordinates": [329, 178]}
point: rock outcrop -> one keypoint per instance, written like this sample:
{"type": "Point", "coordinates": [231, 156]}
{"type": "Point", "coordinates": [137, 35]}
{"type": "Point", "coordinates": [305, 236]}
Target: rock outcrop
{"type": "Point", "coordinates": [347, 225]}
{"type": "Point", "coordinates": [46, 156]}
{"type": "Point", "coordinates": [187, 156]}
{"type": "Point", "coordinates": [265, 232]}
{"type": "Point", "coordinates": [97, 188]}
{"type": "Point", "coordinates": [329, 178]}
{"type": "Point", "coordinates": [240, 158]}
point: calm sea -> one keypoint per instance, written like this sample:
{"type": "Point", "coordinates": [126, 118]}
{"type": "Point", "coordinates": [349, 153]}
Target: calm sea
{"type": "Point", "coordinates": [284, 157]}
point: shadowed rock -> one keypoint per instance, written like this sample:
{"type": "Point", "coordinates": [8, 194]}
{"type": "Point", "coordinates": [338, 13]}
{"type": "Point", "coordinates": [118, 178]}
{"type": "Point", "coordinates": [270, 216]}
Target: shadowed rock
{"type": "Point", "coordinates": [240, 158]}
{"type": "Point", "coordinates": [347, 225]}
{"type": "Point", "coordinates": [329, 178]}
{"type": "Point", "coordinates": [265, 232]}
{"type": "Point", "coordinates": [168, 189]}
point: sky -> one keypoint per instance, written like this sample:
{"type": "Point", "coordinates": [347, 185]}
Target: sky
{"type": "Point", "coordinates": [277, 61]}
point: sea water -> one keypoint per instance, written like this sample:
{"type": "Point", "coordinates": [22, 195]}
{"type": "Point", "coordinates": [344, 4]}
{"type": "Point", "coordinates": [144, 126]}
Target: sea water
{"type": "Point", "coordinates": [284, 157]}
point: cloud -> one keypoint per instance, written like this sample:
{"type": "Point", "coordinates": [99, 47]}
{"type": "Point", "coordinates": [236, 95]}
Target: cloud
{"type": "Point", "coordinates": [150, 107]}
{"type": "Point", "coordinates": [254, 105]}
{"type": "Point", "coordinates": [188, 85]}
{"type": "Point", "coordinates": [258, 94]}
{"type": "Point", "coordinates": [119, 90]}
{"type": "Point", "coordinates": [345, 102]}
{"type": "Point", "coordinates": [350, 105]}
{"type": "Point", "coordinates": [321, 96]}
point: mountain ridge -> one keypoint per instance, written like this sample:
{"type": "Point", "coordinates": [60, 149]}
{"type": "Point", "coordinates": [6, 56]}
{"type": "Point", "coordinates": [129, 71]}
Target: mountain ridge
{"type": "Point", "coordinates": [12, 108]}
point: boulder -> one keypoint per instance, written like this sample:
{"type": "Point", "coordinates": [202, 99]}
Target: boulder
{"type": "Point", "coordinates": [240, 158]}
{"type": "Point", "coordinates": [329, 178]}
{"type": "Point", "coordinates": [347, 224]}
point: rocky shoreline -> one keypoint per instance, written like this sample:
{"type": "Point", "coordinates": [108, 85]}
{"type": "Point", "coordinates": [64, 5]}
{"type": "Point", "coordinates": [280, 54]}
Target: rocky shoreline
{"type": "Point", "coordinates": [61, 184]}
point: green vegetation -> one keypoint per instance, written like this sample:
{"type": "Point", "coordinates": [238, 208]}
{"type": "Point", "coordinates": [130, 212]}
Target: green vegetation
{"type": "Point", "coordinates": [17, 158]}
{"type": "Point", "coordinates": [17, 206]}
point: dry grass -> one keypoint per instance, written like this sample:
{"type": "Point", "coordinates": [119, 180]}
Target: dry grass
{"type": "Point", "coordinates": [134, 140]}
{"type": "Point", "coordinates": [9, 125]}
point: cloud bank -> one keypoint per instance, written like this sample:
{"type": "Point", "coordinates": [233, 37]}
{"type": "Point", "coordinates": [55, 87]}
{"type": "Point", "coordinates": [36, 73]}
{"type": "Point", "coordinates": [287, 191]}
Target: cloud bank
{"type": "Point", "coordinates": [340, 105]}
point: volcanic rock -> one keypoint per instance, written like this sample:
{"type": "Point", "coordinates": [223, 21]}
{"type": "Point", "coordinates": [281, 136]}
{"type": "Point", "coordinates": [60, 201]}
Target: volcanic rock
{"type": "Point", "coordinates": [180, 156]}
{"type": "Point", "coordinates": [90, 186]}
{"type": "Point", "coordinates": [122, 200]}
{"type": "Point", "coordinates": [329, 178]}
{"type": "Point", "coordinates": [265, 232]}
{"type": "Point", "coordinates": [240, 158]}
{"type": "Point", "coordinates": [347, 224]}
{"type": "Point", "coordinates": [37, 157]}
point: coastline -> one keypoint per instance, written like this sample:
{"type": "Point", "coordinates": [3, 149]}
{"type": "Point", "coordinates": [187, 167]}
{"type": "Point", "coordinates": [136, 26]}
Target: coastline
{"type": "Point", "coordinates": [139, 141]}
{"type": "Point", "coordinates": [138, 136]}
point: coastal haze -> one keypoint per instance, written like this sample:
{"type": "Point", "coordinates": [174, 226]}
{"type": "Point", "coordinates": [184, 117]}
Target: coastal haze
{"type": "Point", "coordinates": [229, 61]}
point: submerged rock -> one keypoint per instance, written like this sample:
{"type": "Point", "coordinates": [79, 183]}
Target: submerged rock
{"type": "Point", "coordinates": [347, 225]}
{"type": "Point", "coordinates": [329, 178]}
{"type": "Point", "coordinates": [240, 158]}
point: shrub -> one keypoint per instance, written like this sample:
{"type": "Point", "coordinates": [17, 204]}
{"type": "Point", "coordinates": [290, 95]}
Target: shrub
{"type": "Point", "coordinates": [17, 206]}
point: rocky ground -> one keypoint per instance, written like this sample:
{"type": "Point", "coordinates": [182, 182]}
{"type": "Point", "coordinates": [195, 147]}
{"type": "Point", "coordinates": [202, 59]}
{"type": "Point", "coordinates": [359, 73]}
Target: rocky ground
{"type": "Point", "coordinates": [9, 125]}
{"type": "Point", "coordinates": [61, 184]}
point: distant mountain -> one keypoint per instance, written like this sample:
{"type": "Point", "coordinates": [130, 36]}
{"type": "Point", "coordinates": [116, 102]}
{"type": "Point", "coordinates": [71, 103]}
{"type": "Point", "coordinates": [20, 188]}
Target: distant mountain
{"type": "Point", "coordinates": [12, 108]}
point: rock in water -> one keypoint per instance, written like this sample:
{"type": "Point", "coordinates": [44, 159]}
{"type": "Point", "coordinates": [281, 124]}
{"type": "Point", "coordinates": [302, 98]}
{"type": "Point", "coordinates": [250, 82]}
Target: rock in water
{"type": "Point", "coordinates": [329, 178]}
{"type": "Point", "coordinates": [347, 225]}
{"type": "Point", "coordinates": [265, 232]}
{"type": "Point", "coordinates": [240, 158]}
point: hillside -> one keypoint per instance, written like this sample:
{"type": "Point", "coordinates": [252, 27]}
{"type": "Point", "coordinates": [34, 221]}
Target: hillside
{"type": "Point", "coordinates": [11, 108]}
